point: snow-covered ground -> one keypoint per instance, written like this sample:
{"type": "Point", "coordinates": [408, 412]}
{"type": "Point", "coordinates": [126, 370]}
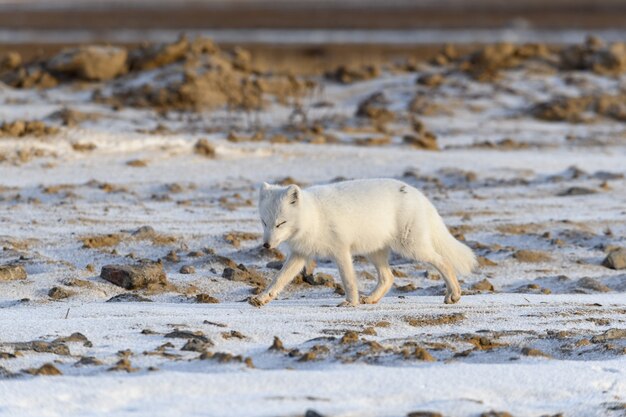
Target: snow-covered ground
{"type": "Point", "coordinates": [539, 344]}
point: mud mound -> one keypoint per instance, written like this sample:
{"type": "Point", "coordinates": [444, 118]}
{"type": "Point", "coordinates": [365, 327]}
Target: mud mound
{"type": "Point", "coordinates": [595, 56]}
{"type": "Point", "coordinates": [90, 63]}
{"type": "Point", "coordinates": [486, 63]}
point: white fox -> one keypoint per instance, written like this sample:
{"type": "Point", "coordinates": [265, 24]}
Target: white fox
{"type": "Point", "coordinates": [363, 217]}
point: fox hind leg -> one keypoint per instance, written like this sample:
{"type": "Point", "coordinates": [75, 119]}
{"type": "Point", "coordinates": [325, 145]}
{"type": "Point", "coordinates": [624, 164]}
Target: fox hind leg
{"type": "Point", "coordinates": [453, 289]}
{"type": "Point", "coordinates": [385, 277]}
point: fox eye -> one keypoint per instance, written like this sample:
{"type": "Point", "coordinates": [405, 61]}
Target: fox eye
{"type": "Point", "coordinates": [263, 221]}
{"type": "Point", "coordinates": [280, 224]}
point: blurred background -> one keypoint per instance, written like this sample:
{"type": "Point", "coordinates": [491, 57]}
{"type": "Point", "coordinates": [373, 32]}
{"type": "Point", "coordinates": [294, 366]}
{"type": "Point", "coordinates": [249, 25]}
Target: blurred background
{"type": "Point", "coordinates": [309, 35]}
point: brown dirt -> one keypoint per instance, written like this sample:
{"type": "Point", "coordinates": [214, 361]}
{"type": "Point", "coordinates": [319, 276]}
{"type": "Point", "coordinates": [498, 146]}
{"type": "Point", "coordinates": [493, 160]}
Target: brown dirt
{"type": "Point", "coordinates": [435, 320]}
{"type": "Point", "coordinates": [532, 256]}
{"type": "Point", "coordinates": [12, 272]}
{"type": "Point", "coordinates": [46, 369]}
{"type": "Point", "coordinates": [101, 241]}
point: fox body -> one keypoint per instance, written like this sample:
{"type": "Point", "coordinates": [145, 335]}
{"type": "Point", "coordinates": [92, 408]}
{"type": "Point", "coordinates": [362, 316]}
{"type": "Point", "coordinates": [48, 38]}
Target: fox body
{"type": "Point", "coordinates": [362, 217]}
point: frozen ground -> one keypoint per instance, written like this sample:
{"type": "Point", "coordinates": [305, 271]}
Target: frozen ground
{"type": "Point", "coordinates": [543, 335]}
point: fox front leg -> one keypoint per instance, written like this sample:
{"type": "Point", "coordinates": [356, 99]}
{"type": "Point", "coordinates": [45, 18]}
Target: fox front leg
{"type": "Point", "coordinates": [348, 279]}
{"type": "Point", "coordinates": [292, 266]}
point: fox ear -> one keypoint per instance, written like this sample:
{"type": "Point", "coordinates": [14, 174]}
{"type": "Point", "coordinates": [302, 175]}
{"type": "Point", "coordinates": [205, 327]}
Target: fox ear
{"type": "Point", "coordinates": [293, 194]}
{"type": "Point", "coordinates": [265, 186]}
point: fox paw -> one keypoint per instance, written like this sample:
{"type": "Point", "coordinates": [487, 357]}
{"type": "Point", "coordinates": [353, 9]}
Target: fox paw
{"type": "Point", "coordinates": [258, 301]}
{"type": "Point", "coordinates": [346, 303]}
{"type": "Point", "coordinates": [368, 299]}
{"type": "Point", "coordinates": [451, 298]}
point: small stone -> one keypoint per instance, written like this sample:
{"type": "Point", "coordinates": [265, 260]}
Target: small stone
{"type": "Point", "coordinates": [197, 345]}
{"type": "Point", "coordinates": [423, 355]}
{"type": "Point", "coordinates": [58, 293]}
{"type": "Point", "coordinates": [611, 334]}
{"type": "Point", "coordinates": [134, 277]}
{"type": "Point", "coordinates": [46, 369]}
{"type": "Point", "coordinates": [573, 191]}
{"type": "Point", "coordinates": [123, 365]}
{"type": "Point", "coordinates": [206, 299]}
{"type": "Point", "coordinates": [593, 284]}
{"type": "Point", "coordinates": [424, 414]}
{"type": "Point", "coordinates": [534, 352]}
{"type": "Point", "coordinates": [204, 148]}
{"type": "Point", "coordinates": [277, 345]}
{"type": "Point", "coordinates": [12, 272]}
{"type": "Point", "coordinates": [525, 255]}
{"type": "Point", "coordinates": [187, 269]}
{"type": "Point", "coordinates": [128, 298]}
{"type": "Point", "coordinates": [349, 337]}
{"type": "Point", "coordinates": [184, 334]}
{"type": "Point", "coordinates": [88, 360]}
{"type": "Point", "coordinates": [483, 285]}
{"type": "Point", "coordinates": [616, 259]}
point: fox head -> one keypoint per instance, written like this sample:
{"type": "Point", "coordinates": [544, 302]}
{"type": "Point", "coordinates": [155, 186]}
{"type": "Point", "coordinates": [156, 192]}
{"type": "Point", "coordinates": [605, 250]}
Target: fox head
{"type": "Point", "coordinates": [278, 209]}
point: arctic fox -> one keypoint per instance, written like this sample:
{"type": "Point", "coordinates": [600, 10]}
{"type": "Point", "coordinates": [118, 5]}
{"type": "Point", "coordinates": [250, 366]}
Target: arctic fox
{"type": "Point", "coordinates": [368, 217]}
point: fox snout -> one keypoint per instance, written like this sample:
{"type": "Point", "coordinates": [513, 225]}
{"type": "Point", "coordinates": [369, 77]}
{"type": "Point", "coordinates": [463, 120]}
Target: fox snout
{"type": "Point", "coordinates": [266, 245]}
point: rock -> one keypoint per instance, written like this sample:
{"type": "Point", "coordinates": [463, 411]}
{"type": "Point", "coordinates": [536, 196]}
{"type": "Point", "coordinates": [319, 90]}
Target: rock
{"type": "Point", "coordinates": [242, 274]}
{"type": "Point", "coordinates": [611, 334]}
{"type": "Point", "coordinates": [88, 360]}
{"type": "Point", "coordinates": [128, 298]}
{"type": "Point", "coordinates": [277, 345]}
{"type": "Point", "coordinates": [423, 355]}
{"type": "Point", "coordinates": [158, 55]}
{"type": "Point", "coordinates": [75, 337]}
{"type": "Point", "coordinates": [524, 255]}
{"type": "Point", "coordinates": [496, 414]}
{"type": "Point", "coordinates": [91, 63]}
{"type": "Point", "coordinates": [185, 334]}
{"type": "Point", "coordinates": [374, 107]}
{"type": "Point", "coordinates": [187, 269]}
{"type": "Point", "coordinates": [41, 346]}
{"type": "Point", "coordinates": [436, 320]}
{"type": "Point", "coordinates": [349, 337]}
{"type": "Point", "coordinates": [206, 299]}
{"type": "Point", "coordinates": [12, 272]}
{"type": "Point", "coordinates": [123, 365]}
{"type": "Point", "coordinates": [197, 345]}
{"type": "Point", "coordinates": [101, 241]}
{"type": "Point", "coordinates": [424, 414]}
{"type": "Point", "coordinates": [21, 128]}
{"type": "Point", "coordinates": [204, 148]}
{"type": "Point", "coordinates": [274, 265]}
{"type": "Point", "coordinates": [10, 61]}
{"type": "Point", "coordinates": [348, 75]}
{"type": "Point", "coordinates": [426, 140]}
{"type": "Point", "coordinates": [46, 369]}
{"type": "Point", "coordinates": [534, 352]}
{"type": "Point", "coordinates": [58, 293]}
{"type": "Point", "coordinates": [431, 80]}
{"type": "Point", "coordinates": [319, 279]}
{"type": "Point", "coordinates": [312, 413]}
{"type": "Point", "coordinates": [134, 277]}
{"type": "Point", "coordinates": [616, 259]}
{"type": "Point", "coordinates": [576, 191]}
{"type": "Point", "coordinates": [483, 285]}
{"type": "Point", "coordinates": [592, 284]}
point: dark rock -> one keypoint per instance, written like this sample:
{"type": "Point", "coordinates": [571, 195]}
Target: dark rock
{"type": "Point", "coordinates": [128, 298]}
{"type": "Point", "coordinates": [185, 334]}
{"type": "Point", "coordinates": [134, 277]}
{"type": "Point", "coordinates": [576, 191]}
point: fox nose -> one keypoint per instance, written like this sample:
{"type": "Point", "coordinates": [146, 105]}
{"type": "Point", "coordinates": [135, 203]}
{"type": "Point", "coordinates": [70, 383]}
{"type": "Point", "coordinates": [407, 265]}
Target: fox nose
{"type": "Point", "coordinates": [266, 245]}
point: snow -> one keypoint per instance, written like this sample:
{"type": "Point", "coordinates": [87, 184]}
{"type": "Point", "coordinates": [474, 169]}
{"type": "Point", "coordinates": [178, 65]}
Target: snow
{"type": "Point", "coordinates": [518, 187]}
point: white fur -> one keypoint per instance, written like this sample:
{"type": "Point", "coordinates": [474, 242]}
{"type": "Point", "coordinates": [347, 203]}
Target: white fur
{"type": "Point", "coordinates": [363, 217]}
